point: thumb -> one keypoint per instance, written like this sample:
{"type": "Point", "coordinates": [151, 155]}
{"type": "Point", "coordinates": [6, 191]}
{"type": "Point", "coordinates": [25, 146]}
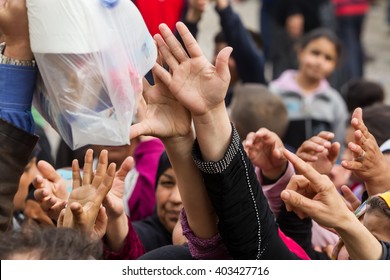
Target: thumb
{"type": "Point", "coordinates": [334, 152]}
{"type": "Point", "coordinates": [139, 129]}
{"type": "Point", "coordinates": [48, 171]}
{"type": "Point", "coordinates": [297, 202]}
{"type": "Point", "coordinates": [125, 168]}
{"type": "Point", "coordinates": [222, 63]}
{"type": "Point", "coordinates": [79, 216]}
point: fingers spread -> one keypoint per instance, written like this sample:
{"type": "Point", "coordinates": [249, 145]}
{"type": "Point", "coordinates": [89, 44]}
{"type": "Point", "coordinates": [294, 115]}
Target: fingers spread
{"type": "Point", "coordinates": [174, 45]}
{"type": "Point", "coordinates": [166, 53]}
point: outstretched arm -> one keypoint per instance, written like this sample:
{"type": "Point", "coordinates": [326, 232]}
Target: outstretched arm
{"type": "Point", "coordinates": [167, 119]}
{"type": "Point", "coordinates": [246, 223]}
{"type": "Point", "coordinates": [315, 195]}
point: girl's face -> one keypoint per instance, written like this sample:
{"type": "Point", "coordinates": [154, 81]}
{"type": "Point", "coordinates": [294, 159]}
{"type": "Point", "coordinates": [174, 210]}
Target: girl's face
{"type": "Point", "coordinates": [318, 59]}
{"type": "Point", "coordinates": [168, 199]}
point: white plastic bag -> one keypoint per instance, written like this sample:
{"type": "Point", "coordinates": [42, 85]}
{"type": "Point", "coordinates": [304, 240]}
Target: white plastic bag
{"type": "Point", "coordinates": [92, 55]}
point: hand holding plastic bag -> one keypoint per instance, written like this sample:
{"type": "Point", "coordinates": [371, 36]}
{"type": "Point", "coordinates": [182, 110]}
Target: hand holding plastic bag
{"type": "Point", "coordinates": [92, 55]}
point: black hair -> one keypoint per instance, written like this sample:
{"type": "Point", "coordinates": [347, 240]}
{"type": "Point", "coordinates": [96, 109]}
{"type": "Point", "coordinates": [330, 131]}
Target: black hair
{"type": "Point", "coordinates": [362, 93]}
{"type": "Point", "coordinates": [48, 243]}
{"type": "Point", "coordinates": [163, 165]}
{"type": "Point", "coordinates": [377, 203]}
{"type": "Point", "coordinates": [322, 33]}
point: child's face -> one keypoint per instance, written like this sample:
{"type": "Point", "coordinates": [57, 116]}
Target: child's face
{"type": "Point", "coordinates": [168, 199]}
{"type": "Point", "coordinates": [318, 59]}
{"type": "Point", "coordinates": [378, 224]}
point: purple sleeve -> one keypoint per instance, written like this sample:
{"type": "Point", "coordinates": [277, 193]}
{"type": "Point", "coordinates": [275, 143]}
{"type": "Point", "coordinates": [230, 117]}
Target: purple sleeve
{"type": "Point", "coordinates": [204, 249]}
{"type": "Point", "coordinates": [143, 198]}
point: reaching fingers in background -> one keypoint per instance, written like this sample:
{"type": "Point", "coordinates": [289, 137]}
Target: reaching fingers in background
{"type": "Point", "coordinates": [352, 201]}
{"type": "Point", "coordinates": [311, 148]}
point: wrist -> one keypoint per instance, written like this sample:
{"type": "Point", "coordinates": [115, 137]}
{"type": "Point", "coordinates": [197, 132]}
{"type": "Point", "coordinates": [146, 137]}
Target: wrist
{"type": "Point", "coordinates": [211, 128]}
{"type": "Point", "coordinates": [275, 173]}
{"type": "Point", "coordinates": [117, 230]}
{"type": "Point", "coordinates": [16, 55]}
{"type": "Point", "coordinates": [179, 141]}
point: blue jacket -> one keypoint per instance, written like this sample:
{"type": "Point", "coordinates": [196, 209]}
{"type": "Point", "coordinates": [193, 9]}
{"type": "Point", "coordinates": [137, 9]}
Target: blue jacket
{"type": "Point", "coordinates": [17, 85]}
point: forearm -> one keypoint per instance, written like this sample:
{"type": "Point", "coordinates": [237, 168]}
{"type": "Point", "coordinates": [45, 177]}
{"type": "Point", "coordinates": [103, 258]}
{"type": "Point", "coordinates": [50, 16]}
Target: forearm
{"type": "Point", "coordinates": [117, 231]}
{"type": "Point", "coordinates": [213, 132]}
{"type": "Point", "coordinates": [130, 249]}
{"type": "Point", "coordinates": [359, 242]}
{"type": "Point", "coordinates": [200, 212]}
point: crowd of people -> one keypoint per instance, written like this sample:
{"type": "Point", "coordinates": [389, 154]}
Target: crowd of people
{"type": "Point", "coordinates": [222, 164]}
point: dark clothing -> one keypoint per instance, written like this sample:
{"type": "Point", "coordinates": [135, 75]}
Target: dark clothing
{"type": "Point", "coordinates": [15, 149]}
{"type": "Point", "coordinates": [386, 251]}
{"type": "Point", "coordinates": [282, 50]}
{"type": "Point", "coordinates": [249, 59]}
{"type": "Point", "coordinates": [246, 223]}
{"type": "Point", "coordinates": [17, 84]}
{"type": "Point", "coordinates": [44, 144]}
{"type": "Point", "coordinates": [300, 231]}
{"type": "Point", "coordinates": [309, 9]}
{"type": "Point", "coordinates": [152, 233]}
{"type": "Point", "coordinates": [168, 252]}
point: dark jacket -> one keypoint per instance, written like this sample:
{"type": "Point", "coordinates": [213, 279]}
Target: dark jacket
{"type": "Point", "coordinates": [246, 223]}
{"type": "Point", "coordinates": [15, 149]}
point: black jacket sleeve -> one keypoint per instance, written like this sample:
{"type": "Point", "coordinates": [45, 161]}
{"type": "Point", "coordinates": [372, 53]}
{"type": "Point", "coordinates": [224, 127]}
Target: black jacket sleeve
{"type": "Point", "coordinates": [246, 222]}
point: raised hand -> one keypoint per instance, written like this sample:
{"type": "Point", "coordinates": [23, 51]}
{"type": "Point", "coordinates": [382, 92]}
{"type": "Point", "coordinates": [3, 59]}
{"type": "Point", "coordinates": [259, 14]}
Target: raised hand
{"type": "Point", "coordinates": [368, 162]}
{"type": "Point", "coordinates": [265, 150]}
{"type": "Point", "coordinates": [164, 116]}
{"type": "Point", "coordinates": [85, 209]}
{"type": "Point", "coordinates": [114, 199]}
{"type": "Point", "coordinates": [319, 152]}
{"type": "Point", "coordinates": [196, 83]}
{"type": "Point", "coordinates": [51, 192]}
{"type": "Point", "coordinates": [312, 194]}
